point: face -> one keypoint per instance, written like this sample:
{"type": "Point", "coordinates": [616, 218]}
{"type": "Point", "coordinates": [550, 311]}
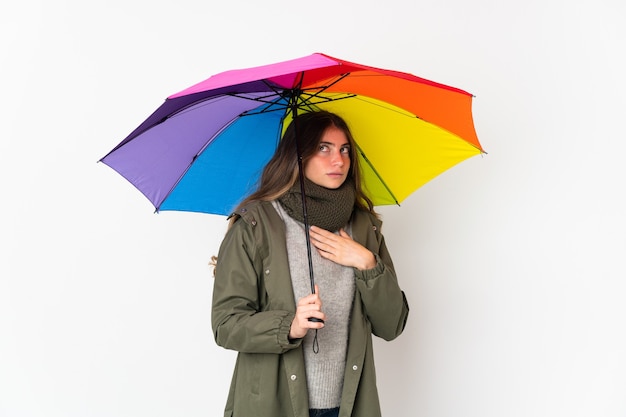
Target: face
{"type": "Point", "coordinates": [329, 166]}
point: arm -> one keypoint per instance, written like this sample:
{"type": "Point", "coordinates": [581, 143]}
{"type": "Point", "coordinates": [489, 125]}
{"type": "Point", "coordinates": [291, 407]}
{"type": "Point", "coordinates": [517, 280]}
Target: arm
{"type": "Point", "coordinates": [385, 304]}
{"type": "Point", "coordinates": [238, 317]}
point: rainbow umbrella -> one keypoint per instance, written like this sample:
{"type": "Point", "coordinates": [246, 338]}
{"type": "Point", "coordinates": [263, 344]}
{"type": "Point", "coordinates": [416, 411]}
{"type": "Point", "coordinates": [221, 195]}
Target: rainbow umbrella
{"type": "Point", "coordinates": [204, 148]}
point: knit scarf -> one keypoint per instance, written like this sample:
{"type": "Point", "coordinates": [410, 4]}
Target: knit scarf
{"type": "Point", "coordinates": [326, 208]}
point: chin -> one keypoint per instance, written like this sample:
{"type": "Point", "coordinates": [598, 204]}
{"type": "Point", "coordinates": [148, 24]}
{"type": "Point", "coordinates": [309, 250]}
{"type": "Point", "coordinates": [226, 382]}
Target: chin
{"type": "Point", "coordinates": [331, 184]}
{"type": "Point", "coordinates": [334, 185]}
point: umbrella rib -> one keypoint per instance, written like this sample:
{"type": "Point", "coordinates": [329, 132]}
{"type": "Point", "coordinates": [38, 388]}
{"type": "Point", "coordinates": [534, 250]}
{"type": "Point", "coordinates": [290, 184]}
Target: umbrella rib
{"type": "Point", "coordinates": [275, 105]}
{"type": "Point", "coordinates": [380, 178]}
{"type": "Point", "coordinates": [326, 87]}
{"type": "Point", "coordinates": [295, 93]}
{"type": "Point", "coordinates": [193, 159]}
{"type": "Point", "coordinates": [309, 100]}
{"type": "Point", "coordinates": [298, 92]}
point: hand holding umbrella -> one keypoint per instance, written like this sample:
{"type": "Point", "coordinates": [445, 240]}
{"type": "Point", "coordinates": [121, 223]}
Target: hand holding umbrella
{"type": "Point", "coordinates": [309, 307]}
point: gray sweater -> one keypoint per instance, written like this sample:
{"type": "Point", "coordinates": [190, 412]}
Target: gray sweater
{"type": "Point", "coordinates": [325, 369]}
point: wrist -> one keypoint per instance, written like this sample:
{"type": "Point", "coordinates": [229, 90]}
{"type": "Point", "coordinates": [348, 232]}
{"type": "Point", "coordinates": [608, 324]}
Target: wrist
{"type": "Point", "coordinates": [369, 263]}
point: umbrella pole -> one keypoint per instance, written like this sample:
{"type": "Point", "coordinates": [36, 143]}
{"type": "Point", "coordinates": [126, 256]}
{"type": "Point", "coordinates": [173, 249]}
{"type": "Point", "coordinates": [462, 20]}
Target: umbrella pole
{"type": "Point", "coordinates": [304, 210]}
{"type": "Point", "coordinates": [305, 214]}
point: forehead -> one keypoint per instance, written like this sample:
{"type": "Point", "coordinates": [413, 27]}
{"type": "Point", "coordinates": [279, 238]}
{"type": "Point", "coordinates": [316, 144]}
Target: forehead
{"type": "Point", "coordinates": [334, 136]}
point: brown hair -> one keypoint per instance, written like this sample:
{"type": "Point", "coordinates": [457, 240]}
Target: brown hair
{"type": "Point", "coordinates": [281, 172]}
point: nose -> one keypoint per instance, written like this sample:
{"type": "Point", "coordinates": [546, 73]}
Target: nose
{"type": "Point", "coordinates": [337, 158]}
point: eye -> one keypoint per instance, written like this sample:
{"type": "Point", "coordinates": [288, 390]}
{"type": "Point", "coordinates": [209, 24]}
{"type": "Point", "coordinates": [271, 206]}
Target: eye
{"type": "Point", "coordinates": [323, 148]}
{"type": "Point", "coordinates": [345, 150]}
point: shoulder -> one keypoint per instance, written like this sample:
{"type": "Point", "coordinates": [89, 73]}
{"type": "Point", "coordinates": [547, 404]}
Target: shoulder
{"type": "Point", "coordinates": [366, 229]}
{"type": "Point", "coordinates": [254, 212]}
{"type": "Point", "coordinates": [258, 218]}
{"type": "Point", "coordinates": [363, 218]}
{"type": "Point", "coordinates": [250, 224]}
{"type": "Point", "coordinates": [255, 227]}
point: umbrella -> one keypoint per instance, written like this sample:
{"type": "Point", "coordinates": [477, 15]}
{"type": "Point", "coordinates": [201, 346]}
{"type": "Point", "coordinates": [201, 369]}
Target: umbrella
{"type": "Point", "coordinates": [203, 149]}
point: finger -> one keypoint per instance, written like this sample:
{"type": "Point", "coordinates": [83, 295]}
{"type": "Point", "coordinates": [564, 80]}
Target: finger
{"type": "Point", "coordinates": [310, 299]}
{"type": "Point", "coordinates": [305, 313]}
{"type": "Point", "coordinates": [301, 323]}
{"type": "Point", "coordinates": [313, 298]}
{"type": "Point", "coordinates": [327, 255]}
{"type": "Point", "coordinates": [303, 317]}
{"type": "Point", "coordinates": [318, 230]}
{"type": "Point", "coordinates": [317, 290]}
{"type": "Point", "coordinates": [315, 314]}
{"type": "Point", "coordinates": [320, 233]}
{"type": "Point", "coordinates": [343, 233]}
{"type": "Point", "coordinates": [323, 247]}
{"type": "Point", "coordinates": [317, 238]}
{"type": "Point", "coordinates": [307, 308]}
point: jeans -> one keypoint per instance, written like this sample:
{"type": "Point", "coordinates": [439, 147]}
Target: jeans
{"type": "Point", "coordinates": [324, 412]}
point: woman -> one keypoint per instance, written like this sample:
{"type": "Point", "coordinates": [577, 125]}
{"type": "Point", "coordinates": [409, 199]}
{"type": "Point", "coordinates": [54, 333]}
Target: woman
{"type": "Point", "coordinates": [262, 299]}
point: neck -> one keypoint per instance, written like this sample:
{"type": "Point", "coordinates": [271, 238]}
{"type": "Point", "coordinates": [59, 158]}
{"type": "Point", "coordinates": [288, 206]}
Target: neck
{"type": "Point", "coordinates": [327, 208]}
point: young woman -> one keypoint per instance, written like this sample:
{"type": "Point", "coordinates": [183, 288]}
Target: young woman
{"type": "Point", "coordinates": [287, 364]}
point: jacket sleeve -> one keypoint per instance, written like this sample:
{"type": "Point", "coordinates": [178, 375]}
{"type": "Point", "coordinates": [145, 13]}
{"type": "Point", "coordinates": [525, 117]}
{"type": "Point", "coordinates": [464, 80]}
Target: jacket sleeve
{"type": "Point", "coordinates": [238, 318]}
{"type": "Point", "coordinates": [384, 302]}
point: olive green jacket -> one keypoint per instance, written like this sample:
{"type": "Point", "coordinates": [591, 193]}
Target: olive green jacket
{"type": "Point", "coordinates": [253, 307]}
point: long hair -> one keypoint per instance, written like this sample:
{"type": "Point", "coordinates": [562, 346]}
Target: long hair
{"type": "Point", "coordinates": [281, 172]}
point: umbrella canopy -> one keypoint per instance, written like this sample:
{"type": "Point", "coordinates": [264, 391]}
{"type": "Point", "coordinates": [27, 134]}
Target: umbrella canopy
{"type": "Point", "coordinates": [204, 148]}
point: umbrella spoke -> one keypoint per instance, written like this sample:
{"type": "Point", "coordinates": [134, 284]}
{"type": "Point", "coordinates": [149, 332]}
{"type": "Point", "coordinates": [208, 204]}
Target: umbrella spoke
{"type": "Point", "coordinates": [304, 101]}
{"type": "Point", "coordinates": [380, 178]}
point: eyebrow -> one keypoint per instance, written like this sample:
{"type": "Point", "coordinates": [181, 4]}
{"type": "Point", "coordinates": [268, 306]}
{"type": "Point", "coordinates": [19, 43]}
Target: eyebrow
{"type": "Point", "coordinates": [332, 144]}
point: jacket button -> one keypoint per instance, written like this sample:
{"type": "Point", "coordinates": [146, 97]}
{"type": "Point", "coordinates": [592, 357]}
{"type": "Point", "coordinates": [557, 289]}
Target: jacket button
{"type": "Point", "coordinates": [293, 377]}
{"type": "Point", "coordinates": [374, 228]}
{"type": "Point", "coordinates": [267, 272]}
{"type": "Point", "coordinates": [253, 222]}
{"type": "Point", "coordinates": [243, 210]}
{"type": "Point", "coordinates": [354, 367]}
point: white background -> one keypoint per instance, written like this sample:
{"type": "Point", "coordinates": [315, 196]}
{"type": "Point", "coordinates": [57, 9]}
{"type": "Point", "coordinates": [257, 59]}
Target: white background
{"type": "Point", "coordinates": [513, 263]}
